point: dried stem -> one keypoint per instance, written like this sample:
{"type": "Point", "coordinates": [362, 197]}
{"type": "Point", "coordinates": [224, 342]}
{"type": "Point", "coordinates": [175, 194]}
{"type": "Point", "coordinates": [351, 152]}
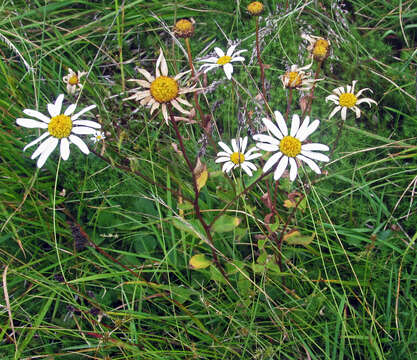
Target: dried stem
{"type": "Point", "coordinates": [307, 110]}
{"type": "Point", "coordinates": [336, 142]}
{"type": "Point", "coordinates": [289, 101]}
{"type": "Point", "coordinates": [261, 65]}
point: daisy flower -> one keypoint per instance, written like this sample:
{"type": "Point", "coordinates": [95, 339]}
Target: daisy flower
{"type": "Point", "coordinates": [73, 81]}
{"type": "Point", "coordinates": [184, 28]}
{"type": "Point", "coordinates": [237, 157]}
{"type": "Point", "coordinates": [224, 60]}
{"type": "Point", "coordinates": [161, 89]}
{"type": "Point", "coordinates": [297, 78]}
{"type": "Point", "coordinates": [62, 128]}
{"type": "Point", "coordinates": [348, 100]}
{"type": "Point", "coordinates": [319, 47]}
{"type": "Point", "coordinates": [98, 136]}
{"type": "Point", "coordinates": [289, 147]}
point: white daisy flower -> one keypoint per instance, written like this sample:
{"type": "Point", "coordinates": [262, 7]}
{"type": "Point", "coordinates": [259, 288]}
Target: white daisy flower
{"type": "Point", "coordinates": [348, 100]}
{"type": "Point", "coordinates": [297, 78]}
{"type": "Point", "coordinates": [224, 60]}
{"type": "Point", "coordinates": [98, 136]}
{"type": "Point", "coordinates": [73, 81]}
{"type": "Point", "coordinates": [289, 147]}
{"type": "Point", "coordinates": [162, 89]}
{"type": "Point", "coordinates": [62, 128]}
{"type": "Point", "coordinates": [237, 157]}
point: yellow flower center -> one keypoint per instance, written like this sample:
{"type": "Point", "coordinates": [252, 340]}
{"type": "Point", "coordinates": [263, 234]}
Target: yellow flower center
{"type": "Point", "coordinates": [164, 89]}
{"type": "Point", "coordinates": [224, 60]}
{"type": "Point", "coordinates": [294, 79]}
{"type": "Point", "coordinates": [255, 8]}
{"type": "Point", "coordinates": [73, 80]}
{"type": "Point", "coordinates": [290, 146]}
{"type": "Point", "coordinates": [347, 99]}
{"type": "Point", "coordinates": [60, 126]}
{"type": "Point", "coordinates": [237, 158]}
{"type": "Point", "coordinates": [321, 48]}
{"type": "Point", "coordinates": [184, 28]}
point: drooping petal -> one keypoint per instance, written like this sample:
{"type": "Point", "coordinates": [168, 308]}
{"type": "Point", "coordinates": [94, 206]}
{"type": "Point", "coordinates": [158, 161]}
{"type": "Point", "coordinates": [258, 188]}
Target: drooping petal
{"type": "Point", "coordinates": [64, 149]}
{"type": "Point", "coordinates": [37, 115]}
{"type": "Point", "coordinates": [272, 161]}
{"type": "Point", "coordinates": [293, 169]}
{"type": "Point", "coordinates": [313, 166]}
{"type": "Point", "coordinates": [315, 155]}
{"type": "Point", "coordinates": [359, 93]}
{"type": "Point", "coordinates": [83, 111]}
{"type": "Point", "coordinates": [31, 124]}
{"type": "Point", "coordinates": [366, 100]}
{"type": "Point", "coordinates": [89, 123]}
{"type": "Point", "coordinates": [179, 107]}
{"type": "Point", "coordinates": [42, 147]}
{"type": "Point", "coordinates": [83, 130]}
{"type": "Point", "coordinates": [79, 143]}
{"type": "Point", "coordinates": [315, 147]}
{"type": "Point", "coordinates": [357, 111]}
{"type": "Point", "coordinates": [281, 123]}
{"type": "Point", "coordinates": [48, 150]}
{"type": "Point", "coordinates": [228, 166]}
{"type": "Point", "coordinates": [310, 129]}
{"type": "Point", "coordinates": [335, 110]}
{"type": "Point", "coordinates": [282, 165]}
{"type": "Point", "coordinates": [245, 167]}
{"type": "Point", "coordinates": [39, 139]}
{"type": "Point", "coordinates": [250, 165]}
{"type": "Point", "coordinates": [183, 101]}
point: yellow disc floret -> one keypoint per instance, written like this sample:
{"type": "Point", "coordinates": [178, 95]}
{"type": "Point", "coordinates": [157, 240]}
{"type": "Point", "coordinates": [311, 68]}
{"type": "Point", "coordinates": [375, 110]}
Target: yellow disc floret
{"type": "Point", "coordinates": [184, 28]}
{"type": "Point", "coordinates": [255, 8]}
{"type": "Point", "coordinates": [164, 89]}
{"type": "Point", "coordinates": [237, 158]}
{"type": "Point", "coordinates": [321, 49]}
{"type": "Point", "coordinates": [224, 60]}
{"type": "Point", "coordinates": [294, 79]}
{"type": "Point", "coordinates": [73, 80]}
{"type": "Point", "coordinates": [60, 126]}
{"type": "Point", "coordinates": [347, 100]}
{"type": "Point", "coordinates": [290, 146]}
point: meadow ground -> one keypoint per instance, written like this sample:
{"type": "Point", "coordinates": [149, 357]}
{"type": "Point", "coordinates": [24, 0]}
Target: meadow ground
{"type": "Point", "coordinates": [145, 248]}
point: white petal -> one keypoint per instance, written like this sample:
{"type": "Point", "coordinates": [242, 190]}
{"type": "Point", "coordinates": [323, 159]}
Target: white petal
{"type": "Point", "coordinates": [366, 100]}
{"type": "Point", "coordinates": [83, 111]}
{"type": "Point", "coordinates": [343, 113]}
{"type": "Point", "coordinates": [266, 138]}
{"type": "Point", "coordinates": [210, 67]}
{"type": "Point", "coordinates": [340, 90]}
{"type": "Point", "coordinates": [223, 153]}
{"type": "Point", "coordinates": [222, 159]}
{"type": "Point", "coordinates": [238, 58]}
{"type": "Point", "coordinates": [353, 85]}
{"type": "Point", "coordinates": [164, 66]}
{"type": "Point", "coordinates": [212, 59]}
{"type": "Point", "coordinates": [56, 108]}
{"type": "Point", "coordinates": [177, 106]}
{"type": "Point", "coordinates": [253, 156]}
{"type": "Point", "coordinates": [245, 167]}
{"type": "Point", "coordinates": [70, 109]}
{"type": "Point", "coordinates": [219, 52]}
{"type": "Point", "coordinates": [239, 52]}
{"type": "Point", "coordinates": [183, 101]}
{"type": "Point", "coordinates": [250, 165]}
{"type": "Point", "coordinates": [315, 146]}
{"type": "Point", "coordinates": [310, 129]}
{"type": "Point", "coordinates": [225, 147]}
{"type": "Point", "coordinates": [303, 127]}
{"type": "Point", "coordinates": [313, 166]}
{"type": "Point", "coordinates": [234, 146]}
{"type": "Point", "coordinates": [42, 147]}
{"type": "Point", "coordinates": [295, 125]}
{"type": "Point", "coordinates": [335, 110]}
{"type": "Point", "coordinates": [88, 123]}
{"type": "Point", "coordinates": [267, 147]}
{"type": "Point", "coordinates": [165, 113]}
{"type": "Point", "coordinates": [228, 70]}
{"type": "Point", "coordinates": [83, 130]}
{"type": "Point", "coordinates": [228, 166]}
{"type": "Point", "coordinates": [357, 111]}
{"type": "Point", "coordinates": [333, 98]}
{"type": "Point", "coordinates": [315, 155]}
{"type": "Point", "coordinates": [45, 154]}
{"type": "Point", "coordinates": [64, 148]}
{"type": "Point", "coordinates": [31, 124]}
{"type": "Point", "coordinates": [81, 145]}
{"type": "Point", "coordinates": [272, 161]}
{"type": "Point", "coordinates": [281, 167]}
{"type": "Point", "coordinates": [39, 139]}
{"type": "Point", "coordinates": [293, 169]}
{"type": "Point", "coordinates": [272, 128]}
{"type": "Point", "coordinates": [281, 123]}
{"type": "Point", "coordinates": [243, 144]}
{"type": "Point", "coordinates": [147, 75]}
{"type": "Point", "coordinates": [230, 50]}
{"type": "Point", "coordinates": [359, 93]}
{"type": "Point", "coordinates": [37, 115]}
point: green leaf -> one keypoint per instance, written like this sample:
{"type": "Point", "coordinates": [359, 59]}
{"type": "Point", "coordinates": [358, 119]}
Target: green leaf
{"type": "Point", "coordinates": [226, 223]}
{"type": "Point", "coordinates": [199, 261]}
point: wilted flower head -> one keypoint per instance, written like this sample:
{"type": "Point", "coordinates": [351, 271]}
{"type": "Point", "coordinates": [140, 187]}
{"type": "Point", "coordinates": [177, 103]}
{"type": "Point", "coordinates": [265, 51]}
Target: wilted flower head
{"type": "Point", "coordinates": [255, 8]}
{"type": "Point", "coordinates": [184, 28]}
{"type": "Point", "coordinates": [297, 78]}
{"type": "Point", "coordinates": [162, 89]}
{"type": "Point", "coordinates": [319, 47]}
{"type": "Point", "coordinates": [347, 99]}
{"type": "Point", "coordinates": [72, 80]}
{"type": "Point", "coordinates": [62, 128]}
{"type": "Point", "coordinates": [224, 60]}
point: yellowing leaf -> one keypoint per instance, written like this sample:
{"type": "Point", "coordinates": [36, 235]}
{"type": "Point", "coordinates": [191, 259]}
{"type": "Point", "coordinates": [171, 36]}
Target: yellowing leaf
{"type": "Point", "coordinates": [199, 261]}
{"type": "Point", "coordinates": [226, 223]}
{"type": "Point", "coordinates": [289, 204]}
{"type": "Point", "coordinates": [295, 238]}
{"type": "Point", "coordinates": [201, 174]}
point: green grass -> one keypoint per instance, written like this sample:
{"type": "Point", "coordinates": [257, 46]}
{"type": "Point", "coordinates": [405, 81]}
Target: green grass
{"type": "Point", "coordinates": [125, 289]}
